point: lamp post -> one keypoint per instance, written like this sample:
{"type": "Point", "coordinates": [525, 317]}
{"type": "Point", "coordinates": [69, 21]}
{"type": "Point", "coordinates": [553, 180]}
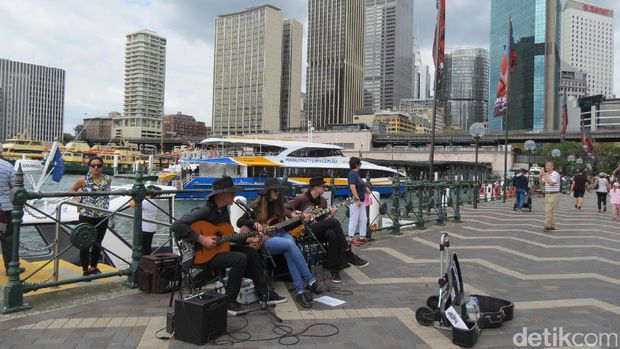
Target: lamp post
{"type": "Point", "coordinates": [476, 130]}
{"type": "Point", "coordinates": [530, 146]}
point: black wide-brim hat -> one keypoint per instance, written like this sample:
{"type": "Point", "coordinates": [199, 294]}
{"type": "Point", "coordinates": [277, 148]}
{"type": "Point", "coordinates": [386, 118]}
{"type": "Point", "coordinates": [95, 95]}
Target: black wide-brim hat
{"type": "Point", "coordinates": [224, 185]}
{"type": "Point", "coordinates": [272, 183]}
{"type": "Point", "coordinates": [316, 181]}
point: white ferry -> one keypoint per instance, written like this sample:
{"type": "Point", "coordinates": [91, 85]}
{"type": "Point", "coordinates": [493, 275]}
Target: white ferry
{"type": "Point", "coordinates": [250, 161]}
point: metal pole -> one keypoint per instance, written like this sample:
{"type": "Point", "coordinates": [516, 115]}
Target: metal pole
{"type": "Point", "coordinates": [139, 193]}
{"type": "Point", "coordinates": [477, 179]}
{"type": "Point", "coordinates": [509, 42]}
{"type": "Point", "coordinates": [431, 157]}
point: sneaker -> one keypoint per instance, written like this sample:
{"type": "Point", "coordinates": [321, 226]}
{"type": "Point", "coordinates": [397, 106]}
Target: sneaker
{"type": "Point", "coordinates": [86, 273]}
{"type": "Point", "coordinates": [335, 274]}
{"type": "Point", "coordinates": [363, 240]}
{"type": "Point", "coordinates": [604, 208]}
{"type": "Point", "coordinates": [359, 262]}
{"type": "Point", "coordinates": [547, 228]}
{"type": "Point", "coordinates": [315, 287]}
{"type": "Point", "coordinates": [234, 308]}
{"type": "Point", "coordinates": [304, 299]}
{"type": "Point", "coordinates": [274, 298]}
{"type": "Point", "coordinates": [575, 206]}
{"type": "Point", "coordinates": [579, 207]}
{"type": "Point", "coordinates": [94, 271]}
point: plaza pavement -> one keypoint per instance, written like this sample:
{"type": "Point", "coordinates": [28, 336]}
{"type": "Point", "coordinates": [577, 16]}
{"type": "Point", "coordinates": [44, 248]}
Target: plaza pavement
{"type": "Point", "coordinates": [569, 278]}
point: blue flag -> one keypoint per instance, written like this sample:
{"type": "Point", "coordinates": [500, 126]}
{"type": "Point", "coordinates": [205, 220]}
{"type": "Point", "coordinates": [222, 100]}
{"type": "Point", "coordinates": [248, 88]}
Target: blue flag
{"type": "Point", "coordinates": [59, 166]}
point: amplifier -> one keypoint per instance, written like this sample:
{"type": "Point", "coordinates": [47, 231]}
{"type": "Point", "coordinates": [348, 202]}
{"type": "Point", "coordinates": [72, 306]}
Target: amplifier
{"type": "Point", "coordinates": [201, 318]}
{"type": "Point", "coordinates": [157, 273]}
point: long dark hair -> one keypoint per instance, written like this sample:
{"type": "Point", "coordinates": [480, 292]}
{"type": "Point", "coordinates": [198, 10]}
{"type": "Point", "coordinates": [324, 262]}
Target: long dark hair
{"type": "Point", "coordinates": [263, 214]}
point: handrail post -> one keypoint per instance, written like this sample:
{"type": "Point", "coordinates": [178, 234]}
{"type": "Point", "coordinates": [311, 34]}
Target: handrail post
{"type": "Point", "coordinates": [14, 290]}
{"type": "Point", "coordinates": [456, 201]}
{"type": "Point", "coordinates": [439, 193]}
{"type": "Point", "coordinates": [421, 191]}
{"type": "Point", "coordinates": [139, 193]}
{"type": "Point", "coordinates": [395, 198]}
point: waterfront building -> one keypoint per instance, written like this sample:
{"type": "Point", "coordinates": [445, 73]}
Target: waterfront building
{"type": "Point", "coordinates": [335, 77]}
{"type": "Point", "coordinates": [99, 128]}
{"type": "Point", "coordinates": [465, 90]}
{"type": "Point", "coordinates": [388, 53]}
{"type": "Point", "coordinates": [534, 85]}
{"type": "Point", "coordinates": [257, 72]}
{"type": "Point", "coordinates": [32, 100]}
{"type": "Point", "coordinates": [587, 44]}
{"type": "Point", "coordinates": [180, 125]}
{"type": "Point", "coordinates": [145, 77]}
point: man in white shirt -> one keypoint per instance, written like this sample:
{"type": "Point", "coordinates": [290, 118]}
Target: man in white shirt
{"type": "Point", "coordinates": [550, 180]}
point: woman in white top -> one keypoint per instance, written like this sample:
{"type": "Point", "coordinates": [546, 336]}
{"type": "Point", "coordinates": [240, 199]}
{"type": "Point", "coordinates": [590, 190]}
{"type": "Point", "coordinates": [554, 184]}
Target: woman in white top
{"type": "Point", "coordinates": [149, 211]}
{"type": "Point", "coordinates": [601, 186]}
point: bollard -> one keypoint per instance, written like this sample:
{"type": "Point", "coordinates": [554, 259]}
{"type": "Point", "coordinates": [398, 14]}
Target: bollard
{"type": "Point", "coordinates": [138, 194]}
{"type": "Point", "coordinates": [14, 290]}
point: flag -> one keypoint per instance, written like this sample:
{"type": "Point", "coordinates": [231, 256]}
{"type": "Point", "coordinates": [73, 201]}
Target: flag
{"type": "Point", "coordinates": [439, 44]}
{"type": "Point", "coordinates": [59, 166]}
{"type": "Point", "coordinates": [564, 118]}
{"type": "Point", "coordinates": [509, 58]}
{"type": "Point", "coordinates": [586, 138]}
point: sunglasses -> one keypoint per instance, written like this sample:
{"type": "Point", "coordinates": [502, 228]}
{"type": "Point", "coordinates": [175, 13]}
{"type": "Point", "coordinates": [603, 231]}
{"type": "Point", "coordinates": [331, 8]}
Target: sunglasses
{"type": "Point", "coordinates": [96, 165]}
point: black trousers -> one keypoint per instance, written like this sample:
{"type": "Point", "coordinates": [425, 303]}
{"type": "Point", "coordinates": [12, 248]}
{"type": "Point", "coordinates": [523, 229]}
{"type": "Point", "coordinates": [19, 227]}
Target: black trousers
{"type": "Point", "coordinates": [147, 241]}
{"type": "Point", "coordinates": [6, 239]}
{"type": "Point", "coordinates": [329, 230]}
{"type": "Point", "coordinates": [601, 199]}
{"type": "Point", "coordinates": [243, 261]}
{"type": "Point", "coordinates": [101, 224]}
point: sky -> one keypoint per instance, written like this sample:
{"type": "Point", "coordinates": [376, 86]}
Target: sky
{"type": "Point", "coordinates": [86, 38]}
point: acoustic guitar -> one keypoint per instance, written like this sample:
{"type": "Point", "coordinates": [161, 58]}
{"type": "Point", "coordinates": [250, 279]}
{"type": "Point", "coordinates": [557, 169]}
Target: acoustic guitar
{"type": "Point", "coordinates": [298, 231]}
{"type": "Point", "coordinates": [224, 233]}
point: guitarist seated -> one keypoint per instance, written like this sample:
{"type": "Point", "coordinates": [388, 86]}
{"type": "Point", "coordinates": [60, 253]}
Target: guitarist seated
{"type": "Point", "coordinates": [243, 260]}
{"type": "Point", "coordinates": [327, 229]}
{"type": "Point", "coordinates": [269, 211]}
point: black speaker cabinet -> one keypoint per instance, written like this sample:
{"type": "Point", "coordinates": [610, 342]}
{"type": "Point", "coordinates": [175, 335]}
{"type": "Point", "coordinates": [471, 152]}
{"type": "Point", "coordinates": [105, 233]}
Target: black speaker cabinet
{"type": "Point", "coordinates": [157, 273]}
{"type": "Point", "coordinates": [200, 319]}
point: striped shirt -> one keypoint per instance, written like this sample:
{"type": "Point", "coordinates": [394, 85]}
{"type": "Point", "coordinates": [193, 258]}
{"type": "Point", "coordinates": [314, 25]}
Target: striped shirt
{"type": "Point", "coordinates": [554, 177]}
{"type": "Point", "coordinates": [7, 181]}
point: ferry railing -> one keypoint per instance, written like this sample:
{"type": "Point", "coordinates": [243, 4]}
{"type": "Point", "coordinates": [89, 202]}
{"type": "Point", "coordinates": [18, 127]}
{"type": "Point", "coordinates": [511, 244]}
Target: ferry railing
{"type": "Point", "coordinates": [82, 234]}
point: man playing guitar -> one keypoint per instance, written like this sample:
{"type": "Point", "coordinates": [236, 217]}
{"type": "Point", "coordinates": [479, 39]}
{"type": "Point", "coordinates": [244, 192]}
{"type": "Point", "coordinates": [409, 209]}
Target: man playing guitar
{"type": "Point", "coordinates": [242, 259]}
{"type": "Point", "coordinates": [327, 229]}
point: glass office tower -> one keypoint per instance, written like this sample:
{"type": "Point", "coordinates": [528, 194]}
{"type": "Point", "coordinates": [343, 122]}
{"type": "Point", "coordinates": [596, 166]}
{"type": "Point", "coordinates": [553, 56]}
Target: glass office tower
{"type": "Point", "coordinates": [534, 83]}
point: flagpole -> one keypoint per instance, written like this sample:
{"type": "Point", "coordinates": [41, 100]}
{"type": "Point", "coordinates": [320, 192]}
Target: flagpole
{"type": "Point", "coordinates": [431, 157]}
{"type": "Point", "coordinates": [507, 109]}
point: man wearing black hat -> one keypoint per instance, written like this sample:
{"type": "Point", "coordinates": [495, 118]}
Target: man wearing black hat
{"type": "Point", "coordinates": [242, 260]}
{"type": "Point", "coordinates": [327, 229]}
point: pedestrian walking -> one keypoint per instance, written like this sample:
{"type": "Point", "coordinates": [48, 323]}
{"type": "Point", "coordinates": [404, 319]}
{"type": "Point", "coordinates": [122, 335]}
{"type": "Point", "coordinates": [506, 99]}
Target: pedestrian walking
{"type": "Point", "coordinates": [602, 187]}
{"type": "Point", "coordinates": [550, 180]}
{"type": "Point", "coordinates": [578, 187]}
{"type": "Point", "coordinates": [614, 199]}
{"type": "Point", "coordinates": [520, 182]}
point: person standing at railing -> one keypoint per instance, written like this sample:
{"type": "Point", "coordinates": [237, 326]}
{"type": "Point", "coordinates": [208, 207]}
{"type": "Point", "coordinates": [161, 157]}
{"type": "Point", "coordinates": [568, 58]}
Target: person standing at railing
{"type": "Point", "coordinates": [149, 211]}
{"type": "Point", "coordinates": [7, 181]}
{"type": "Point", "coordinates": [94, 181]}
{"type": "Point", "coordinates": [357, 213]}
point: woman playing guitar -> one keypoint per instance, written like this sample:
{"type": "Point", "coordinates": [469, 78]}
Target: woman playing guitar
{"type": "Point", "coordinates": [270, 210]}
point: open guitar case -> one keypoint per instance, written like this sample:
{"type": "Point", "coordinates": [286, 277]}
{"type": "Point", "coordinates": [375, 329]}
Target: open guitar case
{"type": "Point", "coordinates": [492, 312]}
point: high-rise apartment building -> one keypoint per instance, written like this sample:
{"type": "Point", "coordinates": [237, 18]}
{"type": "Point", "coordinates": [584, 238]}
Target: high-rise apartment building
{"type": "Point", "coordinates": [32, 100]}
{"type": "Point", "coordinates": [388, 53]}
{"type": "Point", "coordinates": [145, 78]}
{"type": "Point", "coordinates": [534, 85]}
{"type": "Point", "coordinates": [587, 43]}
{"type": "Point", "coordinates": [257, 57]}
{"type": "Point", "coordinates": [465, 90]}
{"type": "Point", "coordinates": [335, 79]}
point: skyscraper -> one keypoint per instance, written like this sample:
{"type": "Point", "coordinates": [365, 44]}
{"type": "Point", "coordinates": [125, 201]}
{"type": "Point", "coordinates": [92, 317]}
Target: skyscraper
{"type": "Point", "coordinates": [145, 77]}
{"type": "Point", "coordinates": [335, 79]}
{"type": "Point", "coordinates": [533, 96]}
{"type": "Point", "coordinates": [587, 44]}
{"type": "Point", "coordinates": [257, 61]}
{"type": "Point", "coordinates": [465, 89]}
{"type": "Point", "coordinates": [32, 98]}
{"type": "Point", "coordinates": [388, 53]}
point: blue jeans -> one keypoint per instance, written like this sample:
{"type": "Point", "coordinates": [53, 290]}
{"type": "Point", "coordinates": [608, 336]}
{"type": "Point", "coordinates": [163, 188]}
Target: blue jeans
{"type": "Point", "coordinates": [520, 198]}
{"type": "Point", "coordinates": [283, 243]}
